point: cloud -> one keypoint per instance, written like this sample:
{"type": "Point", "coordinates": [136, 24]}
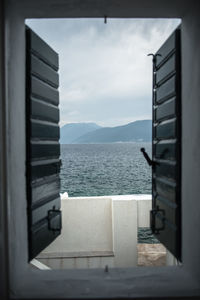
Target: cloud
{"type": "Point", "coordinates": [105, 74]}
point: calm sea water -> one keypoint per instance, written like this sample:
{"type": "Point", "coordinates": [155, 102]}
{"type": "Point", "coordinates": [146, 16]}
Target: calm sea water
{"type": "Point", "coordinates": [105, 169]}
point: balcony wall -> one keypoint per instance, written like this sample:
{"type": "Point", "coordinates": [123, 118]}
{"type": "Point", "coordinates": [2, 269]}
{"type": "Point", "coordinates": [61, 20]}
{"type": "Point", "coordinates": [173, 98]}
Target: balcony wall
{"type": "Point", "coordinates": [98, 232]}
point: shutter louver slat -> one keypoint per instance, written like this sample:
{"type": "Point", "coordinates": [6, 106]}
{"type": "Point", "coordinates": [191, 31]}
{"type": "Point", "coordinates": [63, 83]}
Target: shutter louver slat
{"type": "Point", "coordinates": [165, 51]}
{"type": "Point", "coordinates": [44, 151]}
{"type": "Point", "coordinates": [44, 168]}
{"type": "Point", "coordinates": [42, 90]}
{"type": "Point", "coordinates": [166, 70]}
{"type": "Point", "coordinates": [44, 131]}
{"type": "Point", "coordinates": [43, 72]}
{"type": "Point", "coordinates": [166, 90]}
{"type": "Point", "coordinates": [44, 111]}
{"type": "Point", "coordinates": [166, 170]}
{"type": "Point", "coordinates": [43, 148]}
{"type": "Point", "coordinates": [165, 149]}
{"type": "Point", "coordinates": [45, 189]}
{"type": "Point", "coordinates": [166, 129]}
{"type": "Point", "coordinates": [165, 189]}
{"type": "Point", "coordinates": [42, 50]}
{"type": "Point", "coordinates": [166, 110]}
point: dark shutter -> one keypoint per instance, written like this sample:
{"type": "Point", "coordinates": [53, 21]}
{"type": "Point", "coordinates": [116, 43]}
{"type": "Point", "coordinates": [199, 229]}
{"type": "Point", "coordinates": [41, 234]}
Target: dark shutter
{"type": "Point", "coordinates": [166, 181]}
{"type": "Point", "coordinates": [43, 148]}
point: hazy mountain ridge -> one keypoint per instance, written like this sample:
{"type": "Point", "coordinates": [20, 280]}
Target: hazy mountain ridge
{"type": "Point", "coordinates": [73, 131]}
{"type": "Point", "coordinates": [131, 132]}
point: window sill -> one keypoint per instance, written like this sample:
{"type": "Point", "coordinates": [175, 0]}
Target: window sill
{"type": "Point", "coordinates": [123, 283]}
{"type": "Point", "coordinates": [76, 254]}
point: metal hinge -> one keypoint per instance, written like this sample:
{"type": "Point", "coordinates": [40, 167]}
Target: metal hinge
{"type": "Point", "coordinates": [55, 220]}
{"type": "Point", "coordinates": [160, 214]}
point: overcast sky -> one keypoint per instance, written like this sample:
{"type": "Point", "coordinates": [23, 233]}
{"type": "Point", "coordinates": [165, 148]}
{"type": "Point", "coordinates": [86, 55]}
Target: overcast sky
{"type": "Point", "coordinates": [105, 73]}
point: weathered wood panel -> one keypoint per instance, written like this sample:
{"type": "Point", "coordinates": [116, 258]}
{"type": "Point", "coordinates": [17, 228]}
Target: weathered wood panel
{"type": "Point", "coordinates": [41, 49]}
{"type": "Point", "coordinates": [43, 148]}
{"type": "Point", "coordinates": [41, 90]}
{"type": "Point", "coordinates": [44, 111]}
{"type": "Point", "coordinates": [166, 189]}
{"type": "Point", "coordinates": [166, 90]}
{"type": "Point", "coordinates": [166, 49]}
{"type": "Point", "coordinates": [45, 188]}
{"type": "Point", "coordinates": [166, 169]}
{"type": "Point", "coordinates": [166, 172]}
{"type": "Point", "coordinates": [42, 236]}
{"type": "Point", "coordinates": [44, 131]}
{"type": "Point", "coordinates": [42, 71]}
{"type": "Point", "coordinates": [166, 150]}
{"type": "Point", "coordinates": [166, 130]}
{"type": "Point", "coordinates": [166, 110]}
{"type": "Point", "coordinates": [166, 70]}
{"type": "Point", "coordinates": [42, 168]}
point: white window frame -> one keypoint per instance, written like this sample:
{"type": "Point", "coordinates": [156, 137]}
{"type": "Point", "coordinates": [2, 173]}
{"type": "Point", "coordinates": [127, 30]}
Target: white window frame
{"type": "Point", "coordinates": [24, 280]}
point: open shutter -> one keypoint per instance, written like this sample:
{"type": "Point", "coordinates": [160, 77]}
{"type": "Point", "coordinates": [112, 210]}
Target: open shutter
{"type": "Point", "coordinates": [43, 148]}
{"type": "Point", "coordinates": [166, 166]}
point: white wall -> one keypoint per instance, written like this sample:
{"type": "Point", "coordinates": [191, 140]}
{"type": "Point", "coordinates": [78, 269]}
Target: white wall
{"type": "Point", "coordinates": [87, 226]}
{"type": "Point", "coordinates": [87, 238]}
{"type": "Point", "coordinates": [125, 232]}
{"type": "Point", "coordinates": [98, 231]}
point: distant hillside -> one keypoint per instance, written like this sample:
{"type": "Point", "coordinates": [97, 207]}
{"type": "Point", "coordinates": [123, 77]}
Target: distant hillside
{"type": "Point", "coordinates": [73, 131]}
{"type": "Point", "coordinates": [135, 131]}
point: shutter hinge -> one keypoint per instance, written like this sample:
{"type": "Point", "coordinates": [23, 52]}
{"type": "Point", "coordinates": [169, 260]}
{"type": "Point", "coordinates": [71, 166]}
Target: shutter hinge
{"type": "Point", "coordinates": [55, 220]}
{"type": "Point", "coordinates": [160, 214]}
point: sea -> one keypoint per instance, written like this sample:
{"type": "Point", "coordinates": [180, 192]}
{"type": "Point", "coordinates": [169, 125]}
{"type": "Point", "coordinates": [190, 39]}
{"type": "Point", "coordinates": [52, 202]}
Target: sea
{"type": "Point", "coordinates": [105, 169]}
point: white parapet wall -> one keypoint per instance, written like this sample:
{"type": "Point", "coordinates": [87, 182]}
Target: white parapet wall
{"type": "Point", "coordinates": [98, 232]}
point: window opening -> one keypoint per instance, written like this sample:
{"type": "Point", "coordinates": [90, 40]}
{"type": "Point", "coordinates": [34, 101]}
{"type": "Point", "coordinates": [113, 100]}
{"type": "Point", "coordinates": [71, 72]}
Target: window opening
{"type": "Point", "coordinates": [105, 96]}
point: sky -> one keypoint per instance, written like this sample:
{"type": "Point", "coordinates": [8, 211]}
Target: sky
{"type": "Point", "coordinates": [105, 73]}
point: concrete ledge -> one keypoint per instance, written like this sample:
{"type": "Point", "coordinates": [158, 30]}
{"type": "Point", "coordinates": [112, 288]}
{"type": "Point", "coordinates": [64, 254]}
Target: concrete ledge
{"type": "Point", "coordinates": [136, 197]}
{"type": "Point", "coordinates": [76, 254]}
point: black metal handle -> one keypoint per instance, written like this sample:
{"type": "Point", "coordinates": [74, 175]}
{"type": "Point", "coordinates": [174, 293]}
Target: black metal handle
{"type": "Point", "coordinates": [146, 156]}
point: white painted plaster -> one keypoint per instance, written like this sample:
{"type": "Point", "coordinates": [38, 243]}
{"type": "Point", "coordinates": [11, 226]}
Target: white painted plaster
{"type": "Point", "coordinates": [125, 233]}
{"type": "Point", "coordinates": [143, 210]}
{"type": "Point", "coordinates": [92, 225]}
{"type": "Point", "coordinates": [86, 226]}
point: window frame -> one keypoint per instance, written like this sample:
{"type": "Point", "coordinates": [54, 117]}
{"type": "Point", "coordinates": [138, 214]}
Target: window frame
{"type": "Point", "coordinates": [118, 283]}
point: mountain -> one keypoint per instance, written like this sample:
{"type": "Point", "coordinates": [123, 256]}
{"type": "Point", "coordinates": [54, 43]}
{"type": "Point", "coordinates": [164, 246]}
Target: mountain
{"type": "Point", "coordinates": [73, 131]}
{"type": "Point", "coordinates": [135, 131]}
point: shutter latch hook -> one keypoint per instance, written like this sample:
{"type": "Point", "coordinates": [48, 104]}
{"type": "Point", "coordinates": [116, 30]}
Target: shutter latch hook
{"type": "Point", "coordinates": [150, 162]}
